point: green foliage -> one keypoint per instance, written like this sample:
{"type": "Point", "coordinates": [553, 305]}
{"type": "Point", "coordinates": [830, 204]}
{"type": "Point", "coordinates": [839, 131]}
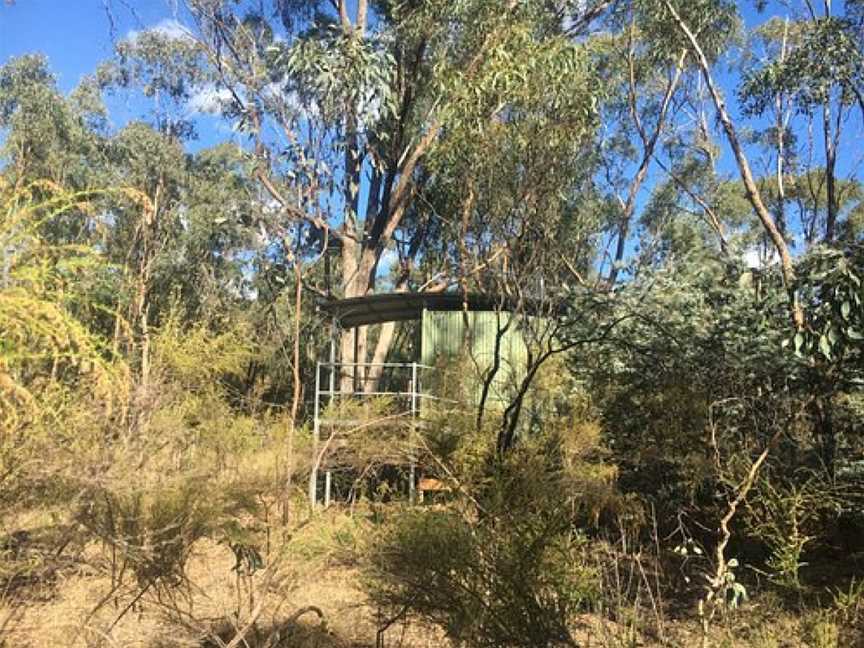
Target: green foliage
{"type": "Point", "coordinates": [694, 341]}
{"type": "Point", "coordinates": [146, 332]}
{"type": "Point", "coordinates": [506, 564]}
{"type": "Point", "coordinates": [524, 85]}
{"type": "Point", "coordinates": [715, 21]}
{"type": "Point", "coordinates": [41, 282]}
{"type": "Point", "coordinates": [831, 283]}
{"type": "Point", "coordinates": [519, 122]}
{"type": "Point", "coordinates": [198, 358]}
{"type": "Point", "coordinates": [336, 72]}
{"type": "Point", "coordinates": [48, 355]}
{"type": "Point", "coordinates": [485, 585]}
{"type": "Point", "coordinates": [786, 518]}
{"type": "Point", "coordinates": [825, 55]}
{"type": "Point", "coordinates": [143, 470]}
{"type": "Point", "coordinates": [46, 135]}
{"type": "Point", "coordinates": [167, 67]}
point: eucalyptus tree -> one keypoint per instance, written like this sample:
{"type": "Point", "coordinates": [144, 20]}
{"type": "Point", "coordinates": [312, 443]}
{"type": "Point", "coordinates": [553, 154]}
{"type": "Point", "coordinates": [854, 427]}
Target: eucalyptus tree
{"type": "Point", "coordinates": [813, 83]}
{"type": "Point", "coordinates": [166, 68]}
{"type": "Point", "coordinates": [817, 69]}
{"type": "Point", "coordinates": [785, 81]}
{"type": "Point", "coordinates": [651, 84]}
{"type": "Point", "coordinates": [182, 231]}
{"type": "Point", "coordinates": [510, 180]}
{"type": "Point", "coordinates": [48, 136]}
{"type": "Point", "coordinates": [311, 91]}
{"type": "Point", "coordinates": [510, 187]}
{"type": "Point", "coordinates": [53, 144]}
{"type": "Point", "coordinates": [342, 107]}
{"type": "Point", "coordinates": [186, 223]}
{"type": "Point", "coordinates": [790, 169]}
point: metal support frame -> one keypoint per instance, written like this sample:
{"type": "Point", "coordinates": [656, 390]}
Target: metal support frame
{"type": "Point", "coordinates": [332, 386]}
{"type": "Point", "coordinates": [316, 431]}
{"type": "Point", "coordinates": [414, 395]}
{"type": "Point", "coordinates": [355, 373]}
{"type": "Point", "coordinates": [415, 388]}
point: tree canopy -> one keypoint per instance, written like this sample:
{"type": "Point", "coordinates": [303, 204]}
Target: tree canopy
{"type": "Point", "coordinates": [663, 198]}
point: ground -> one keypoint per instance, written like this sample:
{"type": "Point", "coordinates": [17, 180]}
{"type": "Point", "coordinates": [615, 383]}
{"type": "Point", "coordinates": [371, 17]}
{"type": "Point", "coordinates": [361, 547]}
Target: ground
{"type": "Point", "coordinates": [73, 606]}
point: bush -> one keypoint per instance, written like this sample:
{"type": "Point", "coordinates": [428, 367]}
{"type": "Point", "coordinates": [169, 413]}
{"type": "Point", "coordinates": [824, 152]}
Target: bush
{"type": "Point", "coordinates": [152, 530]}
{"type": "Point", "coordinates": [484, 586]}
{"type": "Point", "coordinates": [786, 518]}
{"type": "Point", "coordinates": [504, 565]}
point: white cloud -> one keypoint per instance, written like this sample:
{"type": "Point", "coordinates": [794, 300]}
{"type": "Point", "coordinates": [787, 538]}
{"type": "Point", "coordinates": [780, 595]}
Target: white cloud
{"type": "Point", "coordinates": [167, 27]}
{"type": "Point", "coordinates": [209, 100]}
{"type": "Point", "coordinates": [754, 258]}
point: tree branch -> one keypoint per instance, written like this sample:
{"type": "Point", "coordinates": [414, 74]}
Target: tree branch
{"type": "Point", "coordinates": [753, 195]}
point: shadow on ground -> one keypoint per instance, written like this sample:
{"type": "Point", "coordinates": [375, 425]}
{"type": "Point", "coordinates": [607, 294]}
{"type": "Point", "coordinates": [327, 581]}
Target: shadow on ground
{"type": "Point", "coordinates": [299, 633]}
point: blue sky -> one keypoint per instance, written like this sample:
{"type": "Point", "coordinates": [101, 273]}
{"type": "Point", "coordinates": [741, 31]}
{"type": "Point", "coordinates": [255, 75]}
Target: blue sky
{"type": "Point", "coordinates": [76, 35]}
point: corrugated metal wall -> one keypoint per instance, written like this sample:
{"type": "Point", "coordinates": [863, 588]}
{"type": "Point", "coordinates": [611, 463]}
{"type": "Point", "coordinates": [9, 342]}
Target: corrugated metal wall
{"type": "Point", "coordinates": [444, 336]}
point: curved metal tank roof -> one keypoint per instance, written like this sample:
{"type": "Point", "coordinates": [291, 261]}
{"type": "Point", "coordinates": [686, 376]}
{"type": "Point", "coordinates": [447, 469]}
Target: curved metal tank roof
{"type": "Point", "coordinates": [399, 307]}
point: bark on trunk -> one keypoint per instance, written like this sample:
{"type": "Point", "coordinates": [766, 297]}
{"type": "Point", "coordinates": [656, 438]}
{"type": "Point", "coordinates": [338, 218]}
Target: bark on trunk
{"type": "Point", "coordinates": [346, 340]}
{"type": "Point", "coordinates": [780, 125]}
{"type": "Point", "coordinates": [753, 195]}
{"type": "Point", "coordinates": [830, 174]}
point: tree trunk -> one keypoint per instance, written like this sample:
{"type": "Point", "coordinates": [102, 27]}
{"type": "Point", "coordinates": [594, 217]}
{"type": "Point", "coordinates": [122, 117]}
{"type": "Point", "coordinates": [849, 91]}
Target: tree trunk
{"type": "Point", "coordinates": [830, 174]}
{"type": "Point", "coordinates": [753, 195]}
{"type": "Point", "coordinates": [382, 346]}
{"type": "Point", "coordinates": [346, 341]}
{"type": "Point", "coordinates": [780, 125]}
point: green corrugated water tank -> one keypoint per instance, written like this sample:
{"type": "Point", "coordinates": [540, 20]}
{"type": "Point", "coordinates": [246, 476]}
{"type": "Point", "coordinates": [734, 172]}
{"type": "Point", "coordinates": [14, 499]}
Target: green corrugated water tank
{"type": "Point", "coordinates": [446, 333]}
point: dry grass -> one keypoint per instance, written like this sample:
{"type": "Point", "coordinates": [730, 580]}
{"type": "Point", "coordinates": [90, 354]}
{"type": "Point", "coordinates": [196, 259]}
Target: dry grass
{"type": "Point", "coordinates": [317, 573]}
{"type": "Point", "coordinates": [79, 609]}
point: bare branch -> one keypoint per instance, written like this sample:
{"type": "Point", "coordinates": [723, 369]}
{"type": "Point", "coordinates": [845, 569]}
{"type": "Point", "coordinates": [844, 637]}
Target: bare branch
{"type": "Point", "coordinates": [750, 187]}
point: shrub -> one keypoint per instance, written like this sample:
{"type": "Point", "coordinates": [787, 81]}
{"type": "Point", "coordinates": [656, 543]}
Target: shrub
{"type": "Point", "coordinates": [785, 517]}
{"type": "Point", "coordinates": [484, 585]}
{"type": "Point", "coordinates": [504, 565]}
{"type": "Point", "coordinates": [151, 530]}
